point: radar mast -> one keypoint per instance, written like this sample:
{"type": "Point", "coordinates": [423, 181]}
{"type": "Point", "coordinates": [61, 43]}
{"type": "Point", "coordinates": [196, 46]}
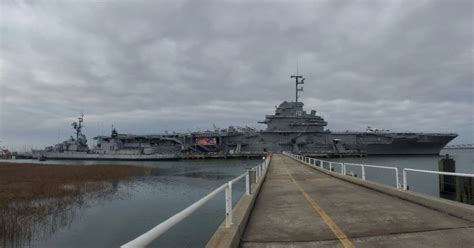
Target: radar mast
{"type": "Point", "coordinates": [298, 82]}
{"type": "Point", "coordinates": [78, 125]}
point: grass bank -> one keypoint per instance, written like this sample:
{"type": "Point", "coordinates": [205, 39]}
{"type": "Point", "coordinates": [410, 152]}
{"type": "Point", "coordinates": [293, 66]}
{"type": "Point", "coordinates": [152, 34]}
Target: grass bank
{"type": "Point", "coordinates": [36, 199]}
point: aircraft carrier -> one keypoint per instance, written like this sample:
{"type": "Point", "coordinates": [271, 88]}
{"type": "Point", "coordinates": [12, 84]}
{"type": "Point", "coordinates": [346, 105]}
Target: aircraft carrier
{"type": "Point", "coordinates": [290, 128]}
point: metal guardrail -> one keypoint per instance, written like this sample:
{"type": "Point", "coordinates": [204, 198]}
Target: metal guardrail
{"type": "Point", "coordinates": [320, 163]}
{"type": "Point", "coordinates": [343, 166]}
{"type": "Point", "coordinates": [148, 237]}
{"type": "Point", "coordinates": [363, 166]}
{"type": "Point", "coordinates": [405, 175]}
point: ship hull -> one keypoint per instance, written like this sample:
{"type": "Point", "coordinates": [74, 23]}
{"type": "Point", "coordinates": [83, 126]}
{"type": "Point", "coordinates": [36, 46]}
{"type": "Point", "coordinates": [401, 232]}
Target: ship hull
{"type": "Point", "coordinates": [348, 143]}
{"type": "Point", "coordinates": [398, 143]}
{"type": "Point", "coordinates": [95, 156]}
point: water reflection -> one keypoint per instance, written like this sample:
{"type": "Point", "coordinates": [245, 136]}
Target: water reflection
{"type": "Point", "coordinates": [22, 222]}
{"type": "Point", "coordinates": [209, 175]}
{"type": "Point", "coordinates": [169, 187]}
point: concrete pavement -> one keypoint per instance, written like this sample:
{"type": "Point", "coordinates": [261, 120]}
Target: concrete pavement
{"type": "Point", "coordinates": [301, 207]}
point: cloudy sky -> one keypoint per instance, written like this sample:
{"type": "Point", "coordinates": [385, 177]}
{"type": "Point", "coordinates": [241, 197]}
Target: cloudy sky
{"type": "Point", "coordinates": [177, 65]}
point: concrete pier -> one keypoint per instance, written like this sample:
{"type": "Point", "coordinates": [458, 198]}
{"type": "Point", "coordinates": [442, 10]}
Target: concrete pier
{"type": "Point", "coordinates": [299, 206]}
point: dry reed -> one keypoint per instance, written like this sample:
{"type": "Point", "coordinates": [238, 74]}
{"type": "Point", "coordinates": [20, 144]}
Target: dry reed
{"type": "Point", "coordinates": [36, 199]}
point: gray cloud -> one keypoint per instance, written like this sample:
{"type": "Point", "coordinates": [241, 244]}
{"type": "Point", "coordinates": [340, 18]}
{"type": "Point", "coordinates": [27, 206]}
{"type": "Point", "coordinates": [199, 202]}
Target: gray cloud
{"type": "Point", "coordinates": [177, 65]}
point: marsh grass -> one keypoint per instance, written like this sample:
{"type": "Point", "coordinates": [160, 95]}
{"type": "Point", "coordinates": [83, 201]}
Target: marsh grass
{"type": "Point", "coordinates": [36, 200]}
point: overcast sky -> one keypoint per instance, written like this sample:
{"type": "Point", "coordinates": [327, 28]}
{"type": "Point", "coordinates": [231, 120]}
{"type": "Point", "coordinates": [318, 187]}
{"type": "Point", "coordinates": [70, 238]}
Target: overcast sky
{"type": "Point", "coordinates": [177, 65]}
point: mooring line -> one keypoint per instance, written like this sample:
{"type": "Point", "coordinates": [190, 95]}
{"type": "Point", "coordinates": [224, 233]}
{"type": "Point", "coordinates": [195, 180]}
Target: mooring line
{"type": "Point", "coordinates": [332, 225]}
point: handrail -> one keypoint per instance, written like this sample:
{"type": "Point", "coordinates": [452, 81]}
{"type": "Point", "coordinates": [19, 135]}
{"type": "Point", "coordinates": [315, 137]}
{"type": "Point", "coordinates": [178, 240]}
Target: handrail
{"type": "Point", "coordinates": [380, 167]}
{"type": "Point", "coordinates": [148, 237]}
{"type": "Point", "coordinates": [312, 162]}
{"type": "Point", "coordinates": [308, 160]}
{"type": "Point", "coordinates": [405, 175]}
{"type": "Point", "coordinates": [237, 178]}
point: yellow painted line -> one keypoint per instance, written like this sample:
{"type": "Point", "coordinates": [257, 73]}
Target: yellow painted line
{"type": "Point", "coordinates": [333, 226]}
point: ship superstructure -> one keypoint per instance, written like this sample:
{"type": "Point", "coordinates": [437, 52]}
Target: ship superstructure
{"type": "Point", "coordinates": [77, 144]}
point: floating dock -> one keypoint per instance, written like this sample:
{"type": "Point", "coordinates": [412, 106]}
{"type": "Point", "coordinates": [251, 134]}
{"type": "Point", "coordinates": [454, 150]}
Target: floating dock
{"type": "Point", "coordinates": [222, 156]}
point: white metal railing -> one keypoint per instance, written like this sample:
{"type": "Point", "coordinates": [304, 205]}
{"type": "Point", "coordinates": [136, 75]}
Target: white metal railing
{"type": "Point", "coordinates": [343, 166]}
{"type": "Point", "coordinates": [321, 163]}
{"type": "Point", "coordinates": [363, 166]}
{"type": "Point", "coordinates": [148, 237]}
{"type": "Point", "coordinates": [405, 175]}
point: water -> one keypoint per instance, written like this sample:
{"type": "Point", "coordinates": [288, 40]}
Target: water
{"type": "Point", "coordinates": [419, 182]}
{"type": "Point", "coordinates": [143, 202]}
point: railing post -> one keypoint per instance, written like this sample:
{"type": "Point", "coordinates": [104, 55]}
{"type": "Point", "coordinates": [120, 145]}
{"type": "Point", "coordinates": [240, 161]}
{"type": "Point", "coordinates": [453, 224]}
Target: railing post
{"type": "Point", "coordinates": [247, 183]}
{"type": "Point", "coordinates": [330, 166]}
{"type": "Point", "coordinates": [344, 169]}
{"type": "Point", "coordinates": [405, 180]}
{"type": "Point", "coordinates": [228, 205]}
{"type": "Point", "coordinates": [363, 172]}
{"type": "Point", "coordinates": [396, 180]}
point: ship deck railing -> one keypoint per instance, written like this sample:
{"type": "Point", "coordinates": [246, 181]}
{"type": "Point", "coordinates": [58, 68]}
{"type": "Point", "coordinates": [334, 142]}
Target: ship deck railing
{"type": "Point", "coordinates": [154, 233]}
{"type": "Point", "coordinates": [389, 132]}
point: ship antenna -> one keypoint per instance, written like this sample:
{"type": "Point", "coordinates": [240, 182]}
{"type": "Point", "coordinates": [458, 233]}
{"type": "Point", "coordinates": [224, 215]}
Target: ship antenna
{"type": "Point", "coordinates": [297, 65]}
{"type": "Point", "coordinates": [79, 125]}
{"type": "Point", "coordinates": [297, 82]}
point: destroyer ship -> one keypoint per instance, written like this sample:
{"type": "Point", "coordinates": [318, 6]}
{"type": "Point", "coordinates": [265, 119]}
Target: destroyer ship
{"type": "Point", "coordinates": [290, 129]}
{"type": "Point", "coordinates": [114, 147]}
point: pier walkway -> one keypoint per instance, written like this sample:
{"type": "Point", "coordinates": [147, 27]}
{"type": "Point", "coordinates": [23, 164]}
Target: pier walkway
{"type": "Point", "coordinates": [301, 207]}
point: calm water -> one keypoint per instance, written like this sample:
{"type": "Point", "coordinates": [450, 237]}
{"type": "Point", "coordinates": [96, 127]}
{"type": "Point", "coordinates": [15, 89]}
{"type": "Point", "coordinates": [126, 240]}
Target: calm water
{"type": "Point", "coordinates": [143, 202]}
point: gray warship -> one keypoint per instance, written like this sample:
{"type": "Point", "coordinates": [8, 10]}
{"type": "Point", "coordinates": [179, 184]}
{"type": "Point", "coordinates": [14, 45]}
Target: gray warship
{"type": "Point", "coordinates": [293, 129]}
{"type": "Point", "coordinates": [290, 129]}
{"type": "Point", "coordinates": [114, 147]}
